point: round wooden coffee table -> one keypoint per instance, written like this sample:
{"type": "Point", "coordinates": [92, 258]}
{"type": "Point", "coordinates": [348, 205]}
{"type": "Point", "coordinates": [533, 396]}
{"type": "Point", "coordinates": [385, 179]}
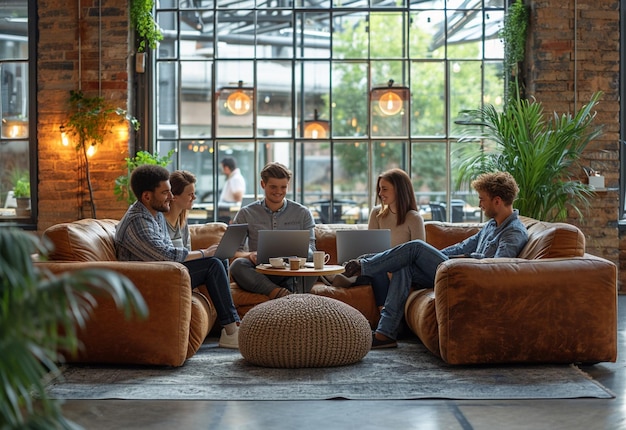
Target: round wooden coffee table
{"type": "Point", "coordinates": [329, 269]}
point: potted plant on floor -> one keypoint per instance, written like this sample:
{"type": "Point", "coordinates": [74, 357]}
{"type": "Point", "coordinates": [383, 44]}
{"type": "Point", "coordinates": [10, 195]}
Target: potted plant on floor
{"type": "Point", "coordinates": [40, 315]}
{"type": "Point", "coordinates": [542, 153]}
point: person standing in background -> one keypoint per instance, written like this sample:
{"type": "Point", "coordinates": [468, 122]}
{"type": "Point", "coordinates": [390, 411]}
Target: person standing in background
{"type": "Point", "coordinates": [235, 186]}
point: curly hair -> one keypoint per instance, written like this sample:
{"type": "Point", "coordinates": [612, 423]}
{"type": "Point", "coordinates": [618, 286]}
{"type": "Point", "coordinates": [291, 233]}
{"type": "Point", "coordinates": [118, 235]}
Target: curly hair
{"type": "Point", "coordinates": [497, 184]}
{"type": "Point", "coordinates": [147, 177]}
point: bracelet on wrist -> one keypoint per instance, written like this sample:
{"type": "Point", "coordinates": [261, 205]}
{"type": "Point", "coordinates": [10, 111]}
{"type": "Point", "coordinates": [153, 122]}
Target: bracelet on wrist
{"type": "Point", "coordinates": [202, 252]}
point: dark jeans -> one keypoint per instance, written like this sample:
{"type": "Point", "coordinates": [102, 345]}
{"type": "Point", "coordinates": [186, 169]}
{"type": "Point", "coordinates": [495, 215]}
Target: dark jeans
{"type": "Point", "coordinates": [211, 272]}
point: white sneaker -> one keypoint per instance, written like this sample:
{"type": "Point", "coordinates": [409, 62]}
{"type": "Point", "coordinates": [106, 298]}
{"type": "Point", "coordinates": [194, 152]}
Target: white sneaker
{"type": "Point", "coordinates": [229, 341]}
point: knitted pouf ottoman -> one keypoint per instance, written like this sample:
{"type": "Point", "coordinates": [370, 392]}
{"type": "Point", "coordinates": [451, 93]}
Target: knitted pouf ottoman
{"type": "Point", "coordinates": [304, 330]}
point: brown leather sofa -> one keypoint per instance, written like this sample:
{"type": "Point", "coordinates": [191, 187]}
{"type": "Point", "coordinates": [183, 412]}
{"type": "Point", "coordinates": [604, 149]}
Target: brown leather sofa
{"type": "Point", "coordinates": [178, 321]}
{"type": "Point", "coordinates": [554, 303]}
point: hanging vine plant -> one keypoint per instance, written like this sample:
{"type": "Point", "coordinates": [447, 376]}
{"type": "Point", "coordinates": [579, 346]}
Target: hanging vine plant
{"type": "Point", "coordinates": [147, 30]}
{"type": "Point", "coordinates": [513, 36]}
{"type": "Point", "coordinates": [90, 120]}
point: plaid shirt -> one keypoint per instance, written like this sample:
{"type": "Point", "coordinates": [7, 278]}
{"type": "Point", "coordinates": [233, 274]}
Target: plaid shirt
{"type": "Point", "coordinates": [140, 236]}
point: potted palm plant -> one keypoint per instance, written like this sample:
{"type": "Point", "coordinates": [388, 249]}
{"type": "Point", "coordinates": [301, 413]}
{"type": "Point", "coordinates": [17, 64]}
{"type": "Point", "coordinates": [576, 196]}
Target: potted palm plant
{"type": "Point", "coordinates": [542, 153]}
{"type": "Point", "coordinates": [40, 314]}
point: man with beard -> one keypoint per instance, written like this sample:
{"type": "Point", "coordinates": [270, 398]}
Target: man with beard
{"type": "Point", "coordinates": [416, 262]}
{"type": "Point", "coordinates": [142, 235]}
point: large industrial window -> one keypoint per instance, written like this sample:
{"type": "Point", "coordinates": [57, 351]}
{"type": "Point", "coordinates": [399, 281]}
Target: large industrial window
{"type": "Point", "coordinates": [17, 163]}
{"type": "Point", "coordinates": [338, 91]}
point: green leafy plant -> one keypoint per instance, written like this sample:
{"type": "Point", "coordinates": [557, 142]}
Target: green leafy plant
{"type": "Point", "coordinates": [90, 120]}
{"type": "Point", "coordinates": [513, 36]}
{"type": "Point", "coordinates": [40, 315]}
{"type": "Point", "coordinates": [21, 183]}
{"type": "Point", "coordinates": [122, 183]}
{"type": "Point", "coordinates": [541, 153]}
{"type": "Point", "coordinates": [147, 29]}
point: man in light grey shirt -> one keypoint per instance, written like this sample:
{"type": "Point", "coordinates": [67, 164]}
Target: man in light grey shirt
{"type": "Point", "coordinates": [274, 212]}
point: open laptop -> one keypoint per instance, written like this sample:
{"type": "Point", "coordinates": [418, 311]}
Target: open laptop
{"type": "Point", "coordinates": [233, 237]}
{"type": "Point", "coordinates": [282, 243]}
{"type": "Point", "coordinates": [354, 243]}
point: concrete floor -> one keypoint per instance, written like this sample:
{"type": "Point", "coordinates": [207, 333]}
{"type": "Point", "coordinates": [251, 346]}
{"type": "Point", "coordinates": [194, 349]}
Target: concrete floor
{"type": "Point", "coordinates": [375, 414]}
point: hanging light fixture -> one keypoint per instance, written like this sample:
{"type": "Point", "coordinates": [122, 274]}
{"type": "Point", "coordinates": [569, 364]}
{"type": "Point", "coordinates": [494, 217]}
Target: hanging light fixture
{"type": "Point", "coordinates": [316, 128]}
{"type": "Point", "coordinates": [239, 99]}
{"type": "Point", "coordinates": [391, 100]}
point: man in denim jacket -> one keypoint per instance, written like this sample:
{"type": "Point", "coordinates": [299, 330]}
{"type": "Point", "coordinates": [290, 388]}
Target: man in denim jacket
{"type": "Point", "coordinates": [416, 262]}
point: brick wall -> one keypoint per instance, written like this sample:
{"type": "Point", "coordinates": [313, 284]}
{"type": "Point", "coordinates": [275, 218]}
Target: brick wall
{"type": "Point", "coordinates": [99, 67]}
{"type": "Point", "coordinates": [573, 51]}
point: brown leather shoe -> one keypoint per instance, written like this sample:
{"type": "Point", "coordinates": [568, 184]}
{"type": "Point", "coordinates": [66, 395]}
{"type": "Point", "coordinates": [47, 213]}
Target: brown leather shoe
{"type": "Point", "coordinates": [352, 268]}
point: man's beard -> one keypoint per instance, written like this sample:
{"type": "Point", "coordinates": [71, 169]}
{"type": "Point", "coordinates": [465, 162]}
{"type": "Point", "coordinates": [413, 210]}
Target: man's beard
{"type": "Point", "coordinates": [161, 208]}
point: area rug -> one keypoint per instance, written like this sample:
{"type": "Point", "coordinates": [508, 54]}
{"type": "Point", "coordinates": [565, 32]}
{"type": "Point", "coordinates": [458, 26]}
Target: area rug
{"type": "Point", "coordinates": [407, 372]}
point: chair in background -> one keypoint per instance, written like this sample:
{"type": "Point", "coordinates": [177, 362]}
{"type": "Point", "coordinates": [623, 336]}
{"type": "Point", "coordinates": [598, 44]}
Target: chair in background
{"type": "Point", "coordinates": [437, 212]}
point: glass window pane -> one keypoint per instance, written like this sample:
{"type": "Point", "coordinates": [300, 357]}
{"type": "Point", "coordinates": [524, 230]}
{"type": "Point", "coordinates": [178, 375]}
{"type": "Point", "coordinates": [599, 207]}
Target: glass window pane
{"type": "Point", "coordinates": [464, 199]}
{"type": "Point", "coordinates": [235, 99]}
{"type": "Point", "coordinates": [313, 35]}
{"type": "Point", "coordinates": [168, 46]}
{"type": "Point", "coordinates": [494, 47]}
{"type": "Point", "coordinates": [14, 105]}
{"type": "Point", "coordinates": [235, 34]}
{"type": "Point", "coordinates": [196, 100]}
{"type": "Point", "coordinates": [428, 104]}
{"type": "Point", "coordinates": [313, 92]}
{"type": "Point", "coordinates": [351, 186]}
{"type": "Point", "coordinates": [465, 89]}
{"type": "Point", "coordinates": [274, 102]}
{"type": "Point", "coordinates": [350, 95]}
{"type": "Point", "coordinates": [428, 174]}
{"type": "Point", "coordinates": [167, 102]}
{"type": "Point", "coordinates": [316, 178]}
{"type": "Point", "coordinates": [387, 155]}
{"type": "Point", "coordinates": [350, 35]}
{"type": "Point", "coordinates": [429, 4]}
{"type": "Point", "coordinates": [274, 34]}
{"type": "Point", "coordinates": [494, 82]}
{"type": "Point", "coordinates": [465, 33]}
{"type": "Point", "coordinates": [388, 35]}
{"type": "Point", "coordinates": [14, 31]}
{"type": "Point", "coordinates": [427, 35]}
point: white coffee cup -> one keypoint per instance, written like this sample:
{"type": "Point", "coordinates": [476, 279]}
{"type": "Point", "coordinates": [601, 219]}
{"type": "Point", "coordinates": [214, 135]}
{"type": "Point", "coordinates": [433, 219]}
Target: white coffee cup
{"type": "Point", "coordinates": [302, 261]}
{"type": "Point", "coordinates": [319, 259]}
{"type": "Point", "coordinates": [277, 262]}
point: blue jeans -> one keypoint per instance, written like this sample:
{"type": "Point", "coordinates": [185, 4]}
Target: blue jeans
{"type": "Point", "coordinates": [211, 272]}
{"type": "Point", "coordinates": [413, 262]}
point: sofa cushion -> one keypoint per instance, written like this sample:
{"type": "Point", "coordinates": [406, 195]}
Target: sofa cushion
{"type": "Point", "coordinates": [83, 240]}
{"type": "Point", "coordinates": [552, 240]}
{"type": "Point", "coordinates": [443, 234]}
{"type": "Point", "coordinates": [205, 235]}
